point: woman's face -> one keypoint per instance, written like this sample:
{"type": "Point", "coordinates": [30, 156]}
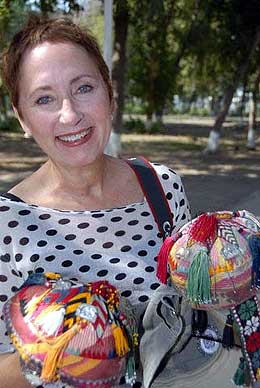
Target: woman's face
{"type": "Point", "coordinates": [64, 103]}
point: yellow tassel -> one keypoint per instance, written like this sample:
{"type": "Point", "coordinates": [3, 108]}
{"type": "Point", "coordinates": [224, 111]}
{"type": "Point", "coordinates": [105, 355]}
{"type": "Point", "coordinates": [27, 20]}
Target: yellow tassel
{"type": "Point", "coordinates": [55, 352]}
{"type": "Point", "coordinates": [121, 343]}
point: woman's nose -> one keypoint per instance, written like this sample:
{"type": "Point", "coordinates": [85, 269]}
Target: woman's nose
{"type": "Point", "coordinates": [69, 114]}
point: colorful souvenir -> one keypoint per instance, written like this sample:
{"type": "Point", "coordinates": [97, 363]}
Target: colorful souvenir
{"type": "Point", "coordinates": [70, 333]}
{"type": "Point", "coordinates": [214, 260]}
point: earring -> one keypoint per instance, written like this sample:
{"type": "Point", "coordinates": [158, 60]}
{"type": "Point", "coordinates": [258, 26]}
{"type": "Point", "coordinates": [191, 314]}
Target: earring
{"type": "Point", "coordinates": [27, 135]}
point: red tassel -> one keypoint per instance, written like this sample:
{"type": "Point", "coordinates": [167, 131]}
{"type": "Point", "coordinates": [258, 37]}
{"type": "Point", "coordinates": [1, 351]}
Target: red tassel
{"type": "Point", "coordinates": [162, 259]}
{"type": "Point", "coordinates": [204, 228]}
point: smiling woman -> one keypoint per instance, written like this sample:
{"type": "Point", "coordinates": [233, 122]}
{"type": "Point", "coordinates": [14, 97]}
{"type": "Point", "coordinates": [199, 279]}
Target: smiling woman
{"type": "Point", "coordinates": [82, 213]}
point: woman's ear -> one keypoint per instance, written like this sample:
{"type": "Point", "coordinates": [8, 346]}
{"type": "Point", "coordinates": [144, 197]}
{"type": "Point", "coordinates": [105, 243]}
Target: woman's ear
{"type": "Point", "coordinates": [27, 132]}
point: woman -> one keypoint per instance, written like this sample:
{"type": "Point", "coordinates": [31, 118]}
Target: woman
{"type": "Point", "coordinates": [82, 213]}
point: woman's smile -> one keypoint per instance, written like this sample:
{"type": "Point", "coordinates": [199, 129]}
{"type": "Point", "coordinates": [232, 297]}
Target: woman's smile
{"type": "Point", "coordinates": [75, 139]}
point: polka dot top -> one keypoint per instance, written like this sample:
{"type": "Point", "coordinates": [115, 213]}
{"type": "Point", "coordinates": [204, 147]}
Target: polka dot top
{"type": "Point", "coordinates": [119, 245]}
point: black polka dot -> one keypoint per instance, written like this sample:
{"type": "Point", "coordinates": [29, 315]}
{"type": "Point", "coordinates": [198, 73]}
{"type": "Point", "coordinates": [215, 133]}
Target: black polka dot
{"type": "Point", "coordinates": [114, 260]}
{"type": "Point", "coordinates": [107, 245]}
{"type": "Point", "coordinates": [102, 273]}
{"type": "Point", "coordinates": [165, 176]}
{"type": "Point", "coordinates": [84, 268]}
{"type": "Point", "coordinates": [182, 202]}
{"type": "Point", "coordinates": [183, 217]}
{"type": "Point", "coordinates": [138, 280]}
{"type": "Point", "coordinates": [169, 196]}
{"type": "Point", "coordinates": [130, 210]}
{"type": "Point", "coordinates": [41, 243]}
{"type": "Point", "coordinates": [120, 233]}
{"type": "Point", "coordinates": [24, 241]}
{"type": "Point", "coordinates": [7, 240]}
{"type": "Point", "coordinates": [83, 225]}
{"type": "Point", "coordinates": [102, 229]}
{"type": "Point", "coordinates": [50, 258]}
{"type": "Point", "coordinates": [143, 298]}
{"type": "Point", "coordinates": [97, 215]}
{"type": "Point", "coordinates": [145, 214]}
{"type": "Point", "coordinates": [51, 232]}
{"type": "Point", "coordinates": [32, 228]}
{"type": "Point", "coordinates": [4, 208]}
{"type": "Point", "coordinates": [14, 289]}
{"type": "Point", "coordinates": [5, 258]}
{"type": "Point", "coordinates": [18, 257]}
{"type": "Point", "coordinates": [120, 276]}
{"type": "Point", "coordinates": [132, 264]}
{"type": "Point", "coordinates": [142, 253]}
{"type": "Point", "coordinates": [137, 237]}
{"type": "Point", "coordinates": [181, 189]}
{"type": "Point", "coordinates": [133, 222]}
{"type": "Point", "coordinates": [63, 221]}
{"type": "Point", "coordinates": [13, 224]}
{"type": "Point", "coordinates": [89, 241]}
{"type": "Point", "coordinates": [148, 227]}
{"type": "Point", "coordinates": [44, 216]}
{"type": "Point", "coordinates": [3, 298]}
{"type": "Point", "coordinates": [78, 252]}
{"type": "Point", "coordinates": [116, 219]}
{"type": "Point", "coordinates": [59, 247]}
{"type": "Point", "coordinates": [3, 278]}
{"type": "Point", "coordinates": [176, 186]}
{"type": "Point", "coordinates": [70, 237]}
{"type": "Point", "coordinates": [149, 268]}
{"type": "Point", "coordinates": [24, 212]}
{"type": "Point", "coordinates": [39, 270]}
{"type": "Point", "coordinates": [151, 243]}
{"type": "Point", "coordinates": [154, 286]}
{"type": "Point", "coordinates": [96, 256]}
{"type": "Point", "coordinates": [126, 248]}
{"type": "Point", "coordinates": [177, 217]}
{"type": "Point", "coordinates": [66, 263]}
{"type": "Point", "coordinates": [17, 273]}
{"type": "Point", "coordinates": [126, 293]}
{"type": "Point", "coordinates": [34, 258]}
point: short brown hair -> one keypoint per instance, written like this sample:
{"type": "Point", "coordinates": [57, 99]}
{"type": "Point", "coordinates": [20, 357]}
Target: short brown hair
{"type": "Point", "coordinates": [41, 29]}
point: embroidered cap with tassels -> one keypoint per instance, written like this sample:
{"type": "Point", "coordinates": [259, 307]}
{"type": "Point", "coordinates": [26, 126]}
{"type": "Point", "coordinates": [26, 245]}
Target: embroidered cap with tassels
{"type": "Point", "coordinates": [68, 333]}
{"type": "Point", "coordinates": [214, 259]}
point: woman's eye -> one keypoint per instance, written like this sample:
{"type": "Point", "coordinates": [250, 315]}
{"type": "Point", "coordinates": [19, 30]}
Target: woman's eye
{"type": "Point", "coordinates": [85, 89]}
{"type": "Point", "coordinates": [43, 100]}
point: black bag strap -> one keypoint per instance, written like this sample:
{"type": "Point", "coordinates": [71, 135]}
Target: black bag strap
{"type": "Point", "coordinates": [154, 194]}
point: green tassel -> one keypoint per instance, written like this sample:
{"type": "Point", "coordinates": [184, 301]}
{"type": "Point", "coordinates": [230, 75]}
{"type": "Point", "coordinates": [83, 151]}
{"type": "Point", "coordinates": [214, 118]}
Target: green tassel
{"type": "Point", "coordinates": [130, 376]}
{"type": "Point", "coordinates": [239, 377]}
{"type": "Point", "coordinates": [198, 284]}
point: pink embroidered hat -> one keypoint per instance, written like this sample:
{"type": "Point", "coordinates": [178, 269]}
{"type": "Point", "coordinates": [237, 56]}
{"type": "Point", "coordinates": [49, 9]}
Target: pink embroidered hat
{"type": "Point", "coordinates": [73, 334]}
{"type": "Point", "coordinates": [214, 260]}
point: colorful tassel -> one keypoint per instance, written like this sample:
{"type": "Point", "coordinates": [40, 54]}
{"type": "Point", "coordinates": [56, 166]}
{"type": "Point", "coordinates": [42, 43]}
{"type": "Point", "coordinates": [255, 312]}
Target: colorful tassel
{"type": "Point", "coordinates": [254, 245]}
{"type": "Point", "coordinates": [204, 228]}
{"type": "Point", "coordinates": [163, 259]}
{"type": "Point", "coordinates": [239, 377]}
{"type": "Point", "coordinates": [55, 352]}
{"type": "Point", "coordinates": [121, 343]}
{"type": "Point", "coordinates": [198, 283]}
{"type": "Point", "coordinates": [228, 333]}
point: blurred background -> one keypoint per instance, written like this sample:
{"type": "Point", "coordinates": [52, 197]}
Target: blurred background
{"type": "Point", "coordinates": [186, 77]}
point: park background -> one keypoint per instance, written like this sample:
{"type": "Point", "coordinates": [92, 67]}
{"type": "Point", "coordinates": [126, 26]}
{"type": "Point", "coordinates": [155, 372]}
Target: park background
{"type": "Point", "coordinates": [186, 77]}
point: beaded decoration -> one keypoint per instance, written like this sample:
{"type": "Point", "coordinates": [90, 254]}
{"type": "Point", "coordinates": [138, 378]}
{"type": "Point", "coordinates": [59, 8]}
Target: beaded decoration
{"type": "Point", "coordinates": [214, 260]}
{"type": "Point", "coordinates": [247, 317]}
{"type": "Point", "coordinates": [76, 334]}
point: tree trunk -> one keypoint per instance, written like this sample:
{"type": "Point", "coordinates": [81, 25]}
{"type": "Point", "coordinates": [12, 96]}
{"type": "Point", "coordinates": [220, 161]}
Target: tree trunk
{"type": "Point", "coordinates": [121, 20]}
{"type": "Point", "coordinates": [214, 135]}
{"type": "Point", "coordinates": [251, 144]}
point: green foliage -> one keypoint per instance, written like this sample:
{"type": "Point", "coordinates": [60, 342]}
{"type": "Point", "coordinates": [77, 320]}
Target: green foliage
{"type": "Point", "coordinates": [10, 124]}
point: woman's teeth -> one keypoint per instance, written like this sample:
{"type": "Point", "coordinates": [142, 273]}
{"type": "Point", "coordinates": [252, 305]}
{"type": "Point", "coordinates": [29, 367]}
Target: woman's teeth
{"type": "Point", "coordinates": [75, 137]}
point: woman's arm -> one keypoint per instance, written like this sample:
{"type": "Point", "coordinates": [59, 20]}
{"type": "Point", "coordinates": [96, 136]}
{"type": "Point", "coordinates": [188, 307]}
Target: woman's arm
{"type": "Point", "coordinates": [10, 372]}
